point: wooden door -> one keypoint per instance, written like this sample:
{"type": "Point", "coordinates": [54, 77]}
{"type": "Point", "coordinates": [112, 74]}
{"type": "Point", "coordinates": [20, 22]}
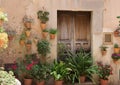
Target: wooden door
{"type": "Point", "coordinates": [74, 29]}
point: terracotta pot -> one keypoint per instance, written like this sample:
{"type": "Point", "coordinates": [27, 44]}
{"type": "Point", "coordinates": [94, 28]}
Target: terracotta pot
{"type": "Point", "coordinates": [103, 82]}
{"type": "Point", "coordinates": [22, 42]}
{"type": "Point", "coordinates": [10, 37]}
{"type": "Point", "coordinates": [115, 61]}
{"type": "Point", "coordinates": [27, 33]}
{"type": "Point", "coordinates": [116, 34]}
{"type": "Point", "coordinates": [43, 26]}
{"type": "Point", "coordinates": [28, 47]}
{"type": "Point", "coordinates": [27, 81]}
{"type": "Point", "coordinates": [103, 53]}
{"type": "Point", "coordinates": [41, 83]}
{"type": "Point", "coordinates": [44, 34]}
{"type": "Point", "coordinates": [58, 82]}
{"type": "Point", "coordinates": [82, 79]}
{"type": "Point", "coordinates": [27, 25]}
{"type": "Point", "coordinates": [52, 36]}
{"type": "Point", "coordinates": [1, 22]}
{"type": "Point", "coordinates": [116, 50]}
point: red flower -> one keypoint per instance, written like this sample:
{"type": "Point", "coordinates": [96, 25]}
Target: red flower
{"type": "Point", "coordinates": [14, 67]}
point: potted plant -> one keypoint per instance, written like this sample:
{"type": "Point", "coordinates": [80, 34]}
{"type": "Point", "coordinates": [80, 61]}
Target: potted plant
{"type": "Point", "coordinates": [116, 48]}
{"type": "Point", "coordinates": [103, 50]}
{"type": "Point", "coordinates": [27, 32]}
{"type": "Point", "coordinates": [45, 33]}
{"type": "Point", "coordinates": [43, 16]}
{"type": "Point", "coordinates": [28, 45]}
{"type": "Point", "coordinates": [52, 33]}
{"type": "Point", "coordinates": [41, 73]}
{"type": "Point", "coordinates": [43, 48]}
{"type": "Point", "coordinates": [22, 39]}
{"type": "Point", "coordinates": [59, 70]}
{"type": "Point", "coordinates": [27, 21]}
{"type": "Point", "coordinates": [24, 66]}
{"type": "Point", "coordinates": [104, 71]}
{"type": "Point", "coordinates": [115, 57]}
{"type": "Point", "coordinates": [11, 34]}
{"type": "Point", "coordinates": [7, 78]}
{"type": "Point", "coordinates": [82, 65]}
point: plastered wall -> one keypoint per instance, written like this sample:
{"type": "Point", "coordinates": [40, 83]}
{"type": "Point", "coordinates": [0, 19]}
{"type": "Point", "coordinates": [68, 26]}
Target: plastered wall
{"type": "Point", "coordinates": [104, 14]}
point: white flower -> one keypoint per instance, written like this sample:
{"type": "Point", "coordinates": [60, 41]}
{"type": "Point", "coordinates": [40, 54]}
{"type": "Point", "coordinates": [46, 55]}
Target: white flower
{"type": "Point", "coordinates": [7, 78]}
{"type": "Point", "coordinates": [3, 16]}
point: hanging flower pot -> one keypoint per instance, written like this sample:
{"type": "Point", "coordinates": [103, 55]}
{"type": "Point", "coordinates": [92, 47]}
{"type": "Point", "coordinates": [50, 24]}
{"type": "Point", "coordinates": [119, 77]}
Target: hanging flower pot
{"type": "Point", "coordinates": [116, 48]}
{"type": "Point", "coordinates": [103, 50]}
{"type": "Point", "coordinates": [45, 33]}
{"type": "Point", "coordinates": [103, 82]}
{"type": "Point", "coordinates": [116, 33]}
{"type": "Point", "coordinates": [115, 61]}
{"type": "Point", "coordinates": [27, 32]}
{"type": "Point", "coordinates": [43, 26]}
{"type": "Point", "coordinates": [28, 45]}
{"type": "Point", "coordinates": [52, 33]}
{"type": "Point", "coordinates": [22, 42]}
{"type": "Point", "coordinates": [27, 25]}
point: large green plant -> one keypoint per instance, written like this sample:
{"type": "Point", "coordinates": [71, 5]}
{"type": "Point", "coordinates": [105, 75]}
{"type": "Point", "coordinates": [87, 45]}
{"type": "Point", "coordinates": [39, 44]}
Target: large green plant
{"type": "Point", "coordinates": [41, 72]}
{"type": "Point", "coordinates": [81, 64]}
{"type": "Point", "coordinates": [43, 16]}
{"type": "Point", "coordinates": [43, 47]}
{"type": "Point", "coordinates": [59, 70]}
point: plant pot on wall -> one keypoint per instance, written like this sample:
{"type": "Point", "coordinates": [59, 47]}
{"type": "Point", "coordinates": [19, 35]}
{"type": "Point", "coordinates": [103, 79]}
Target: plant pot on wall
{"type": "Point", "coordinates": [27, 25]}
{"type": "Point", "coordinates": [22, 42]}
{"type": "Point", "coordinates": [43, 25]}
{"type": "Point", "coordinates": [27, 32]}
{"type": "Point", "coordinates": [103, 53]}
{"type": "Point", "coordinates": [115, 61]}
{"type": "Point", "coordinates": [45, 33]}
{"type": "Point", "coordinates": [116, 48]}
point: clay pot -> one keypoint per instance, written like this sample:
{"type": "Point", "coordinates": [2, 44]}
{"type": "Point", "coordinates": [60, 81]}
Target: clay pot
{"type": "Point", "coordinates": [103, 82]}
{"type": "Point", "coordinates": [58, 82]}
{"type": "Point", "coordinates": [1, 22]}
{"type": "Point", "coordinates": [103, 53]}
{"type": "Point", "coordinates": [116, 50]}
{"type": "Point", "coordinates": [44, 34]}
{"type": "Point", "coordinates": [27, 25]}
{"type": "Point", "coordinates": [41, 83]}
{"type": "Point", "coordinates": [10, 37]}
{"type": "Point", "coordinates": [27, 33]}
{"type": "Point", "coordinates": [22, 42]}
{"type": "Point", "coordinates": [43, 26]}
{"type": "Point", "coordinates": [116, 34]}
{"type": "Point", "coordinates": [27, 81]}
{"type": "Point", "coordinates": [82, 79]}
{"type": "Point", "coordinates": [28, 47]}
{"type": "Point", "coordinates": [52, 36]}
{"type": "Point", "coordinates": [115, 61]}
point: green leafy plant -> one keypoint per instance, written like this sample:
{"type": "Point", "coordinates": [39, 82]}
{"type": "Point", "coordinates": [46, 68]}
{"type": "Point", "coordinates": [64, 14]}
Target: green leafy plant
{"type": "Point", "coordinates": [116, 45]}
{"type": "Point", "coordinates": [27, 19]}
{"type": "Point", "coordinates": [43, 16]}
{"type": "Point", "coordinates": [118, 18]}
{"type": "Point", "coordinates": [41, 72]}
{"type": "Point", "coordinates": [53, 31]}
{"type": "Point", "coordinates": [103, 48]}
{"type": "Point", "coordinates": [59, 70]}
{"type": "Point", "coordinates": [22, 36]}
{"type": "Point", "coordinates": [81, 64]}
{"type": "Point", "coordinates": [43, 47]}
